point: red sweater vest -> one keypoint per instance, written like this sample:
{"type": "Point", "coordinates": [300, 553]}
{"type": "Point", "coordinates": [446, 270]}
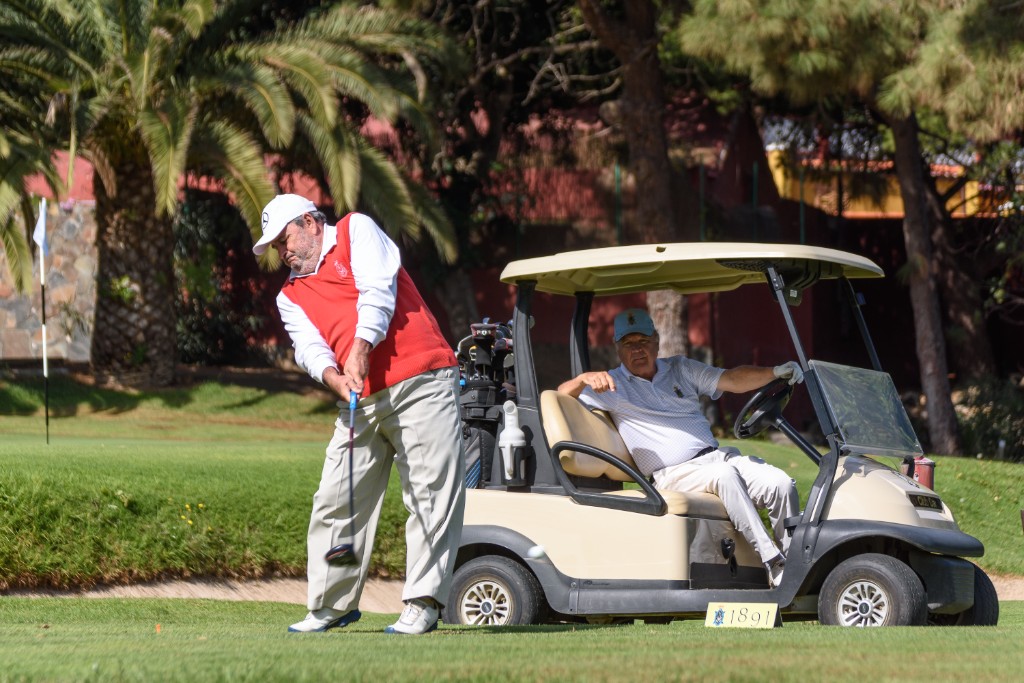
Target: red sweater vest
{"type": "Point", "coordinates": [413, 343]}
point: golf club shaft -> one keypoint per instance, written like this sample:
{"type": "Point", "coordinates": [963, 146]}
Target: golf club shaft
{"type": "Point", "coordinates": [345, 554]}
{"type": "Point", "coordinates": [353, 398]}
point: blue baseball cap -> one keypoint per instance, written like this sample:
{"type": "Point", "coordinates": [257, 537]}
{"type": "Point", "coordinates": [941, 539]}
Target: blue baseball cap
{"type": "Point", "coordinates": [633, 321]}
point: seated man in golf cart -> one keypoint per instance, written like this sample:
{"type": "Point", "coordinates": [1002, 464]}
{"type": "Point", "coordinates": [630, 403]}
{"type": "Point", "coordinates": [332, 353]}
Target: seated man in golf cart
{"type": "Point", "coordinates": [655, 404]}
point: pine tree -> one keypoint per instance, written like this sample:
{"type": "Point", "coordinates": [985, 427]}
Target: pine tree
{"type": "Point", "coordinates": [961, 60]}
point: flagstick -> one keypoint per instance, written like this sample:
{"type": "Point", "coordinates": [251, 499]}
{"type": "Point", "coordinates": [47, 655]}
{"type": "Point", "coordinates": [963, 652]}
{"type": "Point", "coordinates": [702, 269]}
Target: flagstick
{"type": "Point", "coordinates": [46, 368]}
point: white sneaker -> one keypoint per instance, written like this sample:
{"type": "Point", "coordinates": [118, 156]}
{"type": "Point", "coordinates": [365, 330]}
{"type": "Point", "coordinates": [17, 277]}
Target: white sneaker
{"type": "Point", "coordinates": [417, 618]}
{"type": "Point", "coordinates": [324, 620]}
{"type": "Point", "coordinates": [775, 569]}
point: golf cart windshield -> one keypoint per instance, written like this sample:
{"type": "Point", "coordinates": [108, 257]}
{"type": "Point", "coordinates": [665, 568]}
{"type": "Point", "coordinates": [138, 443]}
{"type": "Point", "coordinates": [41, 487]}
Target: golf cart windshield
{"type": "Point", "coordinates": [867, 410]}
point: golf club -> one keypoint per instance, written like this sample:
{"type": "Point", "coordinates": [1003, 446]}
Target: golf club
{"type": "Point", "coordinates": [345, 554]}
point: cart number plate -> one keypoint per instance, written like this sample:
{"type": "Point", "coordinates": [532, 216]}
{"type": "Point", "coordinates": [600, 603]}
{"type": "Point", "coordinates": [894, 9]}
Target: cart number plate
{"type": "Point", "coordinates": [742, 615]}
{"type": "Point", "coordinates": [927, 502]}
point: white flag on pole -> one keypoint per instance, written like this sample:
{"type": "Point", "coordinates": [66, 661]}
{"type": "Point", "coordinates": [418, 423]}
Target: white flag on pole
{"type": "Point", "coordinates": [39, 237]}
{"type": "Point", "coordinates": [39, 234]}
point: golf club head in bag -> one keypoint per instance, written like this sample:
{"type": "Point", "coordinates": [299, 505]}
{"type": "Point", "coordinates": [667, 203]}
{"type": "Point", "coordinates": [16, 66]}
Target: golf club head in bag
{"type": "Point", "coordinates": [345, 553]}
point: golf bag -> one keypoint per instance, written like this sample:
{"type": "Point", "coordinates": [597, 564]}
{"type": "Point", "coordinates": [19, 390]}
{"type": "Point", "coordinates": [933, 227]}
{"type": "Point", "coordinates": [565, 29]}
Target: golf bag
{"type": "Point", "coordinates": [487, 378]}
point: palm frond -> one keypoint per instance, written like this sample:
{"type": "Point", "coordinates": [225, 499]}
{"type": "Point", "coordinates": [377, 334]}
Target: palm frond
{"type": "Point", "coordinates": [403, 208]}
{"type": "Point", "coordinates": [16, 251]}
{"type": "Point", "coordinates": [361, 80]}
{"type": "Point", "coordinates": [94, 152]}
{"type": "Point", "coordinates": [382, 32]}
{"type": "Point", "coordinates": [167, 134]}
{"type": "Point", "coordinates": [385, 195]}
{"type": "Point", "coordinates": [41, 57]}
{"type": "Point", "coordinates": [338, 151]}
{"type": "Point", "coordinates": [352, 72]}
{"type": "Point", "coordinates": [308, 74]}
{"type": "Point", "coordinates": [261, 91]}
{"type": "Point", "coordinates": [134, 21]}
{"type": "Point", "coordinates": [192, 17]}
{"type": "Point", "coordinates": [236, 158]}
{"type": "Point", "coordinates": [20, 158]}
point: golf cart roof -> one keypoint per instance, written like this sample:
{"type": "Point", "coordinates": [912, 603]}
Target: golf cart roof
{"type": "Point", "coordinates": [686, 267]}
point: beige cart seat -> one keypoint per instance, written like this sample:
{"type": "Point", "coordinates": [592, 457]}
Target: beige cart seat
{"type": "Point", "coordinates": [566, 419]}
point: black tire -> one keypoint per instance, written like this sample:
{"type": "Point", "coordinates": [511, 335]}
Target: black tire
{"type": "Point", "coordinates": [657, 620]}
{"type": "Point", "coordinates": [984, 611]}
{"type": "Point", "coordinates": [872, 590]}
{"type": "Point", "coordinates": [494, 591]}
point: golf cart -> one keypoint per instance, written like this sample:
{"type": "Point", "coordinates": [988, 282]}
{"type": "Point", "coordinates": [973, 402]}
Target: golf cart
{"type": "Point", "coordinates": [561, 526]}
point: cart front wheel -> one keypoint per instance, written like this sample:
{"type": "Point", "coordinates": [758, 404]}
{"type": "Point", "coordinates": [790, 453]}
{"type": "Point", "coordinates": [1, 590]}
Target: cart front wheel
{"type": "Point", "coordinates": [984, 611]}
{"type": "Point", "coordinates": [872, 590]}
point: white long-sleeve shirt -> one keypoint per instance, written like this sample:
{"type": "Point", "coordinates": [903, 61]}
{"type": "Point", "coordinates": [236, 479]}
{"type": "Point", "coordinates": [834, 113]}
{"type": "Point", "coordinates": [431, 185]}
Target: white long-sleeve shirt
{"type": "Point", "coordinates": [375, 264]}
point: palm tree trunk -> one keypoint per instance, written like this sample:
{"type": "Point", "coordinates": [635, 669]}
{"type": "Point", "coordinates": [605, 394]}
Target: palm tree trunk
{"type": "Point", "coordinates": [931, 344]}
{"type": "Point", "coordinates": [134, 335]}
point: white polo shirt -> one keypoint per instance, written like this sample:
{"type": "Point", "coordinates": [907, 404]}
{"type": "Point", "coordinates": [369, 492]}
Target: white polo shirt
{"type": "Point", "coordinates": [661, 421]}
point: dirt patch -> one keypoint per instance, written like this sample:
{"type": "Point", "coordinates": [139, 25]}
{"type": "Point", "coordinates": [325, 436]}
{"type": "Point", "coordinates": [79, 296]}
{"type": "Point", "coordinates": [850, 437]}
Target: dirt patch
{"type": "Point", "coordinates": [1008, 587]}
{"type": "Point", "coordinates": [379, 595]}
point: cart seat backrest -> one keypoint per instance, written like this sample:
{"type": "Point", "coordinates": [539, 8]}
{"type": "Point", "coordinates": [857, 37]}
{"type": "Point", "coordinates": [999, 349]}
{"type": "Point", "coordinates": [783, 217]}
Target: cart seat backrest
{"type": "Point", "coordinates": [566, 419]}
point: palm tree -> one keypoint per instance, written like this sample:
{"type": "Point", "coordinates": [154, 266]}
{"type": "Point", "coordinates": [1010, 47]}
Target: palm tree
{"type": "Point", "coordinates": [152, 90]}
{"type": "Point", "coordinates": [22, 154]}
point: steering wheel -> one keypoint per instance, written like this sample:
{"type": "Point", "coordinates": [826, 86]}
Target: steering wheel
{"type": "Point", "coordinates": [763, 409]}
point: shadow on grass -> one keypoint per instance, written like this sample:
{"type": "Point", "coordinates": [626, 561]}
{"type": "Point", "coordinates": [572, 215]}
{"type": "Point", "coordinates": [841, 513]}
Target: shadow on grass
{"type": "Point", "coordinates": [26, 395]}
{"type": "Point", "coordinates": [23, 392]}
{"type": "Point", "coordinates": [534, 628]}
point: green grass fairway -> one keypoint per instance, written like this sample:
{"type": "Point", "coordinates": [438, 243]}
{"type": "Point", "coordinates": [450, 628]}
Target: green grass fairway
{"type": "Point", "coordinates": [80, 639]}
{"type": "Point", "coordinates": [209, 411]}
{"type": "Point", "coordinates": [125, 509]}
{"type": "Point", "coordinates": [86, 510]}
{"type": "Point", "coordinates": [216, 480]}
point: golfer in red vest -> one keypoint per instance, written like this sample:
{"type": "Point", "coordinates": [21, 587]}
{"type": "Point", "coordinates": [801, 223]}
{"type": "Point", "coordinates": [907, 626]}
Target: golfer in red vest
{"type": "Point", "coordinates": [358, 324]}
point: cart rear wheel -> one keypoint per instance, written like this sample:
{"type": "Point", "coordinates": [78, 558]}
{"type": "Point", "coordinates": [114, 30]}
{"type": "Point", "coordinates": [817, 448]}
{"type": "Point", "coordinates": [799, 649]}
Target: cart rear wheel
{"type": "Point", "coordinates": [872, 590]}
{"type": "Point", "coordinates": [494, 591]}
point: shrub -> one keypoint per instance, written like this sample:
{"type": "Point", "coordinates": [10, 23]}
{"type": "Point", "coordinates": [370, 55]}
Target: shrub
{"type": "Point", "coordinates": [991, 417]}
{"type": "Point", "coordinates": [225, 306]}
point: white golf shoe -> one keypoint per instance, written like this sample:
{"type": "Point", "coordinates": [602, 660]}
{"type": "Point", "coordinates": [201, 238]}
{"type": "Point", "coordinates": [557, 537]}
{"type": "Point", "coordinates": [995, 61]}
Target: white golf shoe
{"type": "Point", "coordinates": [324, 620]}
{"type": "Point", "coordinates": [418, 617]}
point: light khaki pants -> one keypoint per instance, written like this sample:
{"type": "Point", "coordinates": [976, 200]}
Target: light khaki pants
{"type": "Point", "coordinates": [745, 484]}
{"type": "Point", "coordinates": [415, 425]}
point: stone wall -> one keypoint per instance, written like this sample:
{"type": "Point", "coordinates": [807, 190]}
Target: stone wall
{"type": "Point", "coordinates": [70, 292]}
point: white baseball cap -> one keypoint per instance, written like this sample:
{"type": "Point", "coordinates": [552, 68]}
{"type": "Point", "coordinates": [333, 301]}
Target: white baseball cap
{"type": "Point", "coordinates": [282, 210]}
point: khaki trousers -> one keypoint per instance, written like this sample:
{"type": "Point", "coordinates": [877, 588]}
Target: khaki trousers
{"type": "Point", "coordinates": [745, 484]}
{"type": "Point", "coordinates": [415, 425]}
